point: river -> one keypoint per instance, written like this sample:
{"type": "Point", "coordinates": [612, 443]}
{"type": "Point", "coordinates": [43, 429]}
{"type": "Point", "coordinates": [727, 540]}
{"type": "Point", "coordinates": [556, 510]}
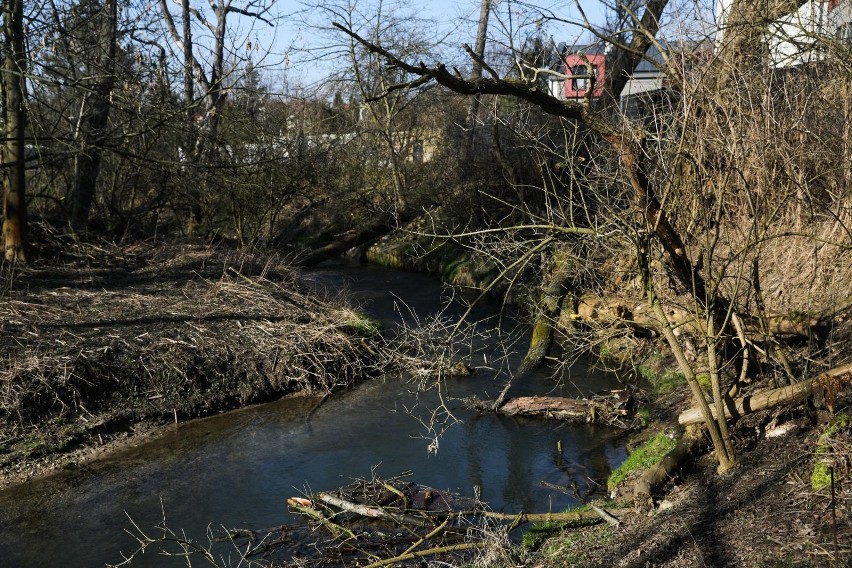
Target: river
{"type": "Point", "coordinates": [237, 469]}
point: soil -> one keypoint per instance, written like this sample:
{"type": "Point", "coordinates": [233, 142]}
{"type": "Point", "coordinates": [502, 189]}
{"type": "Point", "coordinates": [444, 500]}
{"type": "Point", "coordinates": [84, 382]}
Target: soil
{"type": "Point", "coordinates": [104, 344]}
{"type": "Point", "coordinates": [764, 512]}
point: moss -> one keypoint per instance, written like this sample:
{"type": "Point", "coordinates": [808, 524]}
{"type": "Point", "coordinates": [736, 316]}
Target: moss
{"type": "Point", "coordinates": [31, 445]}
{"type": "Point", "coordinates": [799, 316]}
{"type": "Point", "coordinates": [821, 476]}
{"type": "Point", "coordinates": [450, 270]}
{"type": "Point", "coordinates": [642, 458]}
{"type": "Point", "coordinates": [663, 380]}
{"type": "Point", "coordinates": [643, 415]}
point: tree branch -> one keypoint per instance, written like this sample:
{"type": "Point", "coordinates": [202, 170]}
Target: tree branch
{"type": "Point", "coordinates": [626, 144]}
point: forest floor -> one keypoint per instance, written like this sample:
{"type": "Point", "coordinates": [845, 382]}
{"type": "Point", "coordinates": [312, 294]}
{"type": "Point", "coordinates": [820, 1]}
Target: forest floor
{"type": "Point", "coordinates": [765, 512]}
{"type": "Point", "coordinates": [103, 344]}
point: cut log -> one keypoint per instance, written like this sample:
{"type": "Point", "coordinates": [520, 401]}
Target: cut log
{"type": "Point", "coordinates": [599, 409]}
{"type": "Point", "coordinates": [829, 383]}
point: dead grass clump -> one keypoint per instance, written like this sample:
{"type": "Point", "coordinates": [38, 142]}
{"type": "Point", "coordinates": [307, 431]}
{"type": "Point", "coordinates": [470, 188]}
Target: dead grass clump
{"type": "Point", "coordinates": [185, 330]}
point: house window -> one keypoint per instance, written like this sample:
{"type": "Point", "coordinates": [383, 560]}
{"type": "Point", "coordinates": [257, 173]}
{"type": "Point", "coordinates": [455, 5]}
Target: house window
{"type": "Point", "coordinates": [580, 74]}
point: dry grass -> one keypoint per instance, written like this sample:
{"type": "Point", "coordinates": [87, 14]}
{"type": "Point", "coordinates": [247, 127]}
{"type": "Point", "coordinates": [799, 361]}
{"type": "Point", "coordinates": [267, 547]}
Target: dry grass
{"type": "Point", "coordinates": [154, 331]}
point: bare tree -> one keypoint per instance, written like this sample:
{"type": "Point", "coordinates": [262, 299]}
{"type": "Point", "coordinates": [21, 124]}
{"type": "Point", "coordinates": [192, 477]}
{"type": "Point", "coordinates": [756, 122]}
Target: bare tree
{"type": "Point", "coordinates": [15, 123]}
{"type": "Point", "coordinates": [476, 70]}
{"type": "Point", "coordinates": [98, 80]}
{"type": "Point", "coordinates": [210, 81]}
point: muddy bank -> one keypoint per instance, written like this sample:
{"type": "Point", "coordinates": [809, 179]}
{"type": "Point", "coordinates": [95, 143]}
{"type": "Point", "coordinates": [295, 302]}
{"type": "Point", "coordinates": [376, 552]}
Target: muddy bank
{"type": "Point", "coordinates": [105, 343]}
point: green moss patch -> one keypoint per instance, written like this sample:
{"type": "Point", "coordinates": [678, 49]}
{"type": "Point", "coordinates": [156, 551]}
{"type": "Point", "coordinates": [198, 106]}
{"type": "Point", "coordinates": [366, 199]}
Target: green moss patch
{"type": "Point", "coordinates": [642, 458]}
{"type": "Point", "coordinates": [821, 477]}
{"type": "Point", "coordinates": [664, 381]}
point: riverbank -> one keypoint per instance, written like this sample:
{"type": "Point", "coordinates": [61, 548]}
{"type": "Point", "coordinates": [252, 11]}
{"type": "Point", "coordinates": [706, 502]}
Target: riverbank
{"type": "Point", "coordinates": [105, 344]}
{"type": "Point", "coordinates": [204, 311]}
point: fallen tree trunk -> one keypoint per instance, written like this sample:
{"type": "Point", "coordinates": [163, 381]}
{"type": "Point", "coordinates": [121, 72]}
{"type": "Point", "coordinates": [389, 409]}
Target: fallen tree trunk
{"type": "Point", "coordinates": [606, 408]}
{"type": "Point", "coordinates": [372, 512]}
{"type": "Point", "coordinates": [343, 243]}
{"type": "Point", "coordinates": [618, 312]}
{"type": "Point", "coordinates": [305, 506]}
{"type": "Point", "coordinates": [828, 382]}
{"type": "Point", "coordinates": [655, 477]}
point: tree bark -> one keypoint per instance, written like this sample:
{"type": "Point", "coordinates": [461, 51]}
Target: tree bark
{"type": "Point", "coordinates": [15, 115]}
{"type": "Point", "coordinates": [550, 305]}
{"type": "Point", "coordinates": [599, 409]}
{"type": "Point", "coordinates": [655, 477]}
{"type": "Point", "coordinates": [476, 71]}
{"type": "Point", "coordinates": [625, 59]}
{"type": "Point", "coordinates": [88, 162]}
{"type": "Point", "coordinates": [792, 395]}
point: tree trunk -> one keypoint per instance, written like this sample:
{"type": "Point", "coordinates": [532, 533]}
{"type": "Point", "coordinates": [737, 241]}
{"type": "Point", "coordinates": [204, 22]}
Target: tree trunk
{"type": "Point", "coordinates": [830, 382]}
{"type": "Point", "coordinates": [343, 243]}
{"type": "Point", "coordinates": [188, 81]}
{"type": "Point", "coordinates": [605, 409]}
{"type": "Point", "coordinates": [655, 477]}
{"type": "Point", "coordinates": [476, 71]}
{"type": "Point", "coordinates": [15, 115]}
{"type": "Point", "coordinates": [550, 304]}
{"type": "Point", "coordinates": [88, 164]}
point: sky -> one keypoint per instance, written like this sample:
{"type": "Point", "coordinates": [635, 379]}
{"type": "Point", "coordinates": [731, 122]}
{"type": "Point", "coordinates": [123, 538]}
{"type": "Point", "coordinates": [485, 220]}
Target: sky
{"type": "Point", "coordinates": [300, 50]}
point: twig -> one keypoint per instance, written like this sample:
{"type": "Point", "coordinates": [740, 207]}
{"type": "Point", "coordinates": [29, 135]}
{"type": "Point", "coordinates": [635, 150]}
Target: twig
{"type": "Point", "coordinates": [372, 512]}
{"type": "Point", "coordinates": [429, 552]}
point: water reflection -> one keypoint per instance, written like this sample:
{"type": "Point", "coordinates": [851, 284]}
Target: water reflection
{"type": "Point", "coordinates": [238, 469]}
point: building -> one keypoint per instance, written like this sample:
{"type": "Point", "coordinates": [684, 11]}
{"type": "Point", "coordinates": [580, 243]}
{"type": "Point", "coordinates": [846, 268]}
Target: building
{"type": "Point", "coordinates": [574, 70]}
{"type": "Point", "coordinates": [578, 68]}
{"type": "Point", "coordinates": [585, 68]}
{"type": "Point", "coordinates": [803, 36]}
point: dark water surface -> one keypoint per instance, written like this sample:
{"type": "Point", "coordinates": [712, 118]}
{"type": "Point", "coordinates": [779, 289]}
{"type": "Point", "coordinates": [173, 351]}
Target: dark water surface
{"type": "Point", "coordinates": [237, 469]}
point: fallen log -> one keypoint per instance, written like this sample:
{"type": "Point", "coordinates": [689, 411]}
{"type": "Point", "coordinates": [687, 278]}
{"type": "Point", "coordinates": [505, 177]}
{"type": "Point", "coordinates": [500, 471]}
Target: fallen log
{"type": "Point", "coordinates": [371, 512]}
{"type": "Point", "coordinates": [829, 382]}
{"type": "Point", "coordinates": [517, 519]}
{"type": "Point", "coordinates": [343, 243]}
{"type": "Point", "coordinates": [606, 408]}
{"type": "Point", "coordinates": [656, 476]}
{"type": "Point", "coordinates": [566, 517]}
{"type": "Point", "coordinates": [622, 312]}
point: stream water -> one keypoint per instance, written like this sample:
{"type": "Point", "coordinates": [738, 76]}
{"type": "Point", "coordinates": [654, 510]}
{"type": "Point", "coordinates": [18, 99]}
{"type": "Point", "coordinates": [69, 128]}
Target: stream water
{"type": "Point", "coordinates": [237, 469]}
